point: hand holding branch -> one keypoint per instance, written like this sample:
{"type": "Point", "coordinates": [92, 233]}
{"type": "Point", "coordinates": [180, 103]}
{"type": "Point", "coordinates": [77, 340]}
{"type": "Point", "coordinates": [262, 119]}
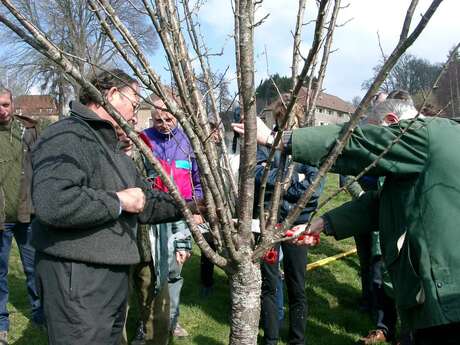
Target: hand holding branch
{"type": "Point", "coordinates": [263, 132]}
{"type": "Point", "coordinates": [310, 237]}
{"type": "Point", "coordinates": [132, 200]}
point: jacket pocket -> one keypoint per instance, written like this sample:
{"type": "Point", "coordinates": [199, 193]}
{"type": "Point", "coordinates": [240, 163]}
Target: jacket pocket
{"type": "Point", "coordinates": [408, 287]}
{"type": "Point", "coordinates": [447, 287]}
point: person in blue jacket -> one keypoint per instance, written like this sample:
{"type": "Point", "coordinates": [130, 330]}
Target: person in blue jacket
{"type": "Point", "coordinates": [294, 257]}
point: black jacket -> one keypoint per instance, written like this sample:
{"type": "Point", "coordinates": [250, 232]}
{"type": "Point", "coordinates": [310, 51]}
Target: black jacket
{"type": "Point", "coordinates": [294, 192]}
{"type": "Point", "coordinates": [78, 168]}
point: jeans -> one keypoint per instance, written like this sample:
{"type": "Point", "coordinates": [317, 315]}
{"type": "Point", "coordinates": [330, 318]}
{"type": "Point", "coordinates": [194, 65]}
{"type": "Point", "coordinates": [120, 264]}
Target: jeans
{"type": "Point", "coordinates": [177, 230]}
{"type": "Point", "coordinates": [22, 233]}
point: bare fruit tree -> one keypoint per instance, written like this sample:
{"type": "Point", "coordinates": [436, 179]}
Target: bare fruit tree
{"type": "Point", "coordinates": [188, 58]}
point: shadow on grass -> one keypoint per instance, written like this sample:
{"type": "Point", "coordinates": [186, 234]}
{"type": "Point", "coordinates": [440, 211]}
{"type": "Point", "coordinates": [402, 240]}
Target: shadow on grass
{"type": "Point", "coordinates": [32, 336]}
{"type": "Point", "coordinates": [18, 293]}
{"type": "Point", "coordinates": [204, 340]}
{"type": "Point", "coordinates": [334, 316]}
{"type": "Point", "coordinates": [322, 335]}
{"type": "Point", "coordinates": [216, 305]}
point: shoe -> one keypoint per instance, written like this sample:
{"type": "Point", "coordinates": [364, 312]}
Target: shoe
{"type": "Point", "coordinates": [179, 331]}
{"type": "Point", "coordinates": [3, 338]}
{"type": "Point", "coordinates": [139, 338]}
{"type": "Point", "coordinates": [374, 337]}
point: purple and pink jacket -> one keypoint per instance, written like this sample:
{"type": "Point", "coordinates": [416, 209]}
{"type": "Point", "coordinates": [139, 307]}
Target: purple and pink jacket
{"type": "Point", "coordinates": [176, 155]}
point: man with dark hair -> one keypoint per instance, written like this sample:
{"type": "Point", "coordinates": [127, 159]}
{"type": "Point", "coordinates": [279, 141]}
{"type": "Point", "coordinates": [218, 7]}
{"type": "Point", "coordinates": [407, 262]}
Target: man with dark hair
{"type": "Point", "coordinates": [17, 134]}
{"type": "Point", "coordinates": [89, 200]}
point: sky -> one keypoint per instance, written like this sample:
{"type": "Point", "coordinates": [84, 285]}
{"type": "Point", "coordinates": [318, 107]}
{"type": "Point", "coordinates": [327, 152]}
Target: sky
{"type": "Point", "coordinates": [356, 43]}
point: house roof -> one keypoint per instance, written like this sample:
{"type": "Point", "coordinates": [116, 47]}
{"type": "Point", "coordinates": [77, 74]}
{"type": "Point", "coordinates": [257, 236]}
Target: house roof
{"type": "Point", "coordinates": [324, 100]}
{"type": "Point", "coordinates": [36, 105]}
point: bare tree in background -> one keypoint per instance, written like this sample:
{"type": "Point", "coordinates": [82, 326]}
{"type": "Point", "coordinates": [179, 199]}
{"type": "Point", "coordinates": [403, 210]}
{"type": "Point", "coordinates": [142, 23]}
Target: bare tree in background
{"type": "Point", "coordinates": [411, 73]}
{"type": "Point", "coordinates": [448, 92]}
{"type": "Point", "coordinates": [11, 83]}
{"type": "Point", "coordinates": [188, 57]}
{"type": "Point", "coordinates": [73, 27]}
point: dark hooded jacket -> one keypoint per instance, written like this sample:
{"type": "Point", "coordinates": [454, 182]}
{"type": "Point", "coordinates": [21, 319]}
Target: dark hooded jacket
{"type": "Point", "coordinates": [78, 167]}
{"type": "Point", "coordinates": [296, 189]}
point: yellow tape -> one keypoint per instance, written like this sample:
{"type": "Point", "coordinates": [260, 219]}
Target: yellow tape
{"type": "Point", "coordinates": [329, 259]}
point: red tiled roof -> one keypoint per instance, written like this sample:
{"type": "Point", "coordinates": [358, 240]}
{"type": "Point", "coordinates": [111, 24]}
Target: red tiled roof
{"type": "Point", "coordinates": [35, 105]}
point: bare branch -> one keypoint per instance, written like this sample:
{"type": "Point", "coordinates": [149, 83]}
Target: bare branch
{"type": "Point", "coordinates": [408, 20]}
{"type": "Point", "coordinates": [297, 40]}
{"type": "Point", "coordinates": [400, 48]}
{"type": "Point", "coordinates": [261, 21]}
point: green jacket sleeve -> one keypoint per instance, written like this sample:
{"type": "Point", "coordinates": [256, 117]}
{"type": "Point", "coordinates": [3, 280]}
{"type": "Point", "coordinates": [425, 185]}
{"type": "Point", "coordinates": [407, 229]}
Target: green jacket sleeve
{"type": "Point", "coordinates": [355, 217]}
{"type": "Point", "coordinates": [409, 155]}
{"type": "Point", "coordinates": [354, 188]}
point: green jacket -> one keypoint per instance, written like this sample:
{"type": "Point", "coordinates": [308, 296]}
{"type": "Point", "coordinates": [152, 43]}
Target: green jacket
{"type": "Point", "coordinates": [356, 191]}
{"type": "Point", "coordinates": [416, 211]}
{"type": "Point", "coordinates": [16, 140]}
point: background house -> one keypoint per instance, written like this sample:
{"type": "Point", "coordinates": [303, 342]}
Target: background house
{"type": "Point", "coordinates": [39, 107]}
{"type": "Point", "coordinates": [329, 110]}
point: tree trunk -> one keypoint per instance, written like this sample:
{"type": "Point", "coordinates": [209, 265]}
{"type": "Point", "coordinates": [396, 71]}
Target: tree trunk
{"type": "Point", "coordinates": [245, 286]}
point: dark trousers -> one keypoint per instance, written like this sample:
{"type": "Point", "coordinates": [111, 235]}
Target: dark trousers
{"type": "Point", "coordinates": [206, 266]}
{"type": "Point", "coordinates": [383, 306]}
{"type": "Point", "coordinates": [22, 234]}
{"type": "Point", "coordinates": [294, 262]}
{"type": "Point", "coordinates": [364, 249]}
{"type": "Point", "coordinates": [83, 303]}
{"type": "Point", "coordinates": [445, 335]}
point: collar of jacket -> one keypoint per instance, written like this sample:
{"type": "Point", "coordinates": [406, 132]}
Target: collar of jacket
{"type": "Point", "coordinates": [165, 136]}
{"type": "Point", "coordinates": [103, 127]}
{"type": "Point", "coordinates": [26, 121]}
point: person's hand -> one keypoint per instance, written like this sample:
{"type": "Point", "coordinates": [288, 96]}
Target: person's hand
{"type": "Point", "coordinates": [182, 256]}
{"type": "Point", "coordinates": [263, 132]}
{"type": "Point", "coordinates": [132, 200]}
{"type": "Point", "coordinates": [312, 235]}
{"type": "Point", "coordinates": [198, 219]}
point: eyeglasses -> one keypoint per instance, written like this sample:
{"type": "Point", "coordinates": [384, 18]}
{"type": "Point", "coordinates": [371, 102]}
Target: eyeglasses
{"type": "Point", "coordinates": [136, 105]}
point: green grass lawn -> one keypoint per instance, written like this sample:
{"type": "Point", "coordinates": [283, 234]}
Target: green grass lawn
{"type": "Point", "coordinates": [333, 292]}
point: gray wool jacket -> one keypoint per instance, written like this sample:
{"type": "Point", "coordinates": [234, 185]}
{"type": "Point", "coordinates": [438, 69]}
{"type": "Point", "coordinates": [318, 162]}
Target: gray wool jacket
{"type": "Point", "coordinates": [78, 168]}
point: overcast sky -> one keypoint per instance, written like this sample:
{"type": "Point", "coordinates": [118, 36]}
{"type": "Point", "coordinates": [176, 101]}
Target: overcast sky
{"type": "Point", "coordinates": [356, 42]}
